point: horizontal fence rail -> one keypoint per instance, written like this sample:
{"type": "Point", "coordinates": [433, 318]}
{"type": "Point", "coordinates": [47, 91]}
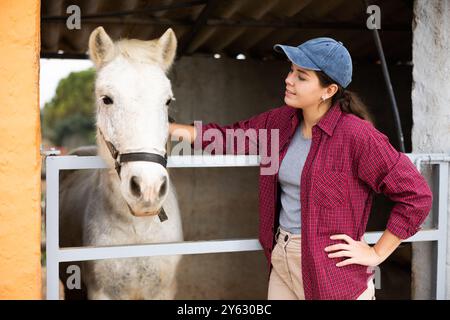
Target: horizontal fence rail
{"type": "Point", "coordinates": [55, 254]}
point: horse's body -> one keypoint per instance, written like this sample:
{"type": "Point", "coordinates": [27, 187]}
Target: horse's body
{"type": "Point", "coordinates": [101, 208]}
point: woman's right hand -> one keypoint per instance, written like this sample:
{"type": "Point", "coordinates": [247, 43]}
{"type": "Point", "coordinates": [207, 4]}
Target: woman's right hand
{"type": "Point", "coordinates": [183, 131]}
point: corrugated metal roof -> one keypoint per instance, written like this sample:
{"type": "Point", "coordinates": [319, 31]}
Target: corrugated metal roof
{"type": "Point", "coordinates": [230, 27]}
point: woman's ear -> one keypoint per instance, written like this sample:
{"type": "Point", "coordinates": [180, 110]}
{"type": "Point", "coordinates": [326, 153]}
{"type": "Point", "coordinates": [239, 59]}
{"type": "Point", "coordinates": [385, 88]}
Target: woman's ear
{"type": "Point", "coordinates": [331, 90]}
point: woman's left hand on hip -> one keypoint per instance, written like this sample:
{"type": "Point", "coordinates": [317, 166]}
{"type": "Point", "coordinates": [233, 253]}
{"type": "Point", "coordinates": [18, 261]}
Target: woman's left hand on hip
{"type": "Point", "coordinates": [356, 252]}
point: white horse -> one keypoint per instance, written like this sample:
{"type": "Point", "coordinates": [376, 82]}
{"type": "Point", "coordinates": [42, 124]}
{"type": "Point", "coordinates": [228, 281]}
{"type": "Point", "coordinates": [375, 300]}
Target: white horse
{"type": "Point", "coordinates": [116, 207]}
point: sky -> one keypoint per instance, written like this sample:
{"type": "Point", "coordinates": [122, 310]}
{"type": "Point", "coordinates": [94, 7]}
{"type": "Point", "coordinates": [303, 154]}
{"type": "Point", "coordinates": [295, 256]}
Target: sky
{"type": "Point", "coordinates": [53, 70]}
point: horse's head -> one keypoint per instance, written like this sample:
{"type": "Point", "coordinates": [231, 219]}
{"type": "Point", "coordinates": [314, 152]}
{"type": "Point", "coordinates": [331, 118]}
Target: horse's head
{"type": "Point", "coordinates": [133, 93]}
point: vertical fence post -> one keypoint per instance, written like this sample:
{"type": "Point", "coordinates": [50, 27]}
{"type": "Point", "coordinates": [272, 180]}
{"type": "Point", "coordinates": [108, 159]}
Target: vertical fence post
{"type": "Point", "coordinates": [52, 228]}
{"type": "Point", "coordinates": [441, 283]}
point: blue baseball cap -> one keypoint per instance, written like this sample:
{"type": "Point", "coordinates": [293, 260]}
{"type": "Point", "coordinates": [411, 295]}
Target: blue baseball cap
{"type": "Point", "coordinates": [322, 54]}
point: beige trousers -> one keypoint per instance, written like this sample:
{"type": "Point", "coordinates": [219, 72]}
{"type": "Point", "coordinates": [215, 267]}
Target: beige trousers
{"type": "Point", "coordinates": [285, 281]}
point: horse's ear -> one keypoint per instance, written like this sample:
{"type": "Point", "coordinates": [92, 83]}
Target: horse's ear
{"type": "Point", "coordinates": [168, 48]}
{"type": "Point", "coordinates": [101, 47]}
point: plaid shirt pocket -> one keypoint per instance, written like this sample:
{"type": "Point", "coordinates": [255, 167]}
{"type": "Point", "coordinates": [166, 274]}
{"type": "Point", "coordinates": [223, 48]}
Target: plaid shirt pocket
{"type": "Point", "coordinates": [330, 189]}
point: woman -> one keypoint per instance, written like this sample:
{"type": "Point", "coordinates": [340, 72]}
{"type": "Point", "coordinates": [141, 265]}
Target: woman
{"type": "Point", "coordinates": [314, 209]}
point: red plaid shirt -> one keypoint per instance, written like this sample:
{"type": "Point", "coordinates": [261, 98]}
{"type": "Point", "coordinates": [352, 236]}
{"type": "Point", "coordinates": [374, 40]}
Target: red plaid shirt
{"type": "Point", "coordinates": [349, 160]}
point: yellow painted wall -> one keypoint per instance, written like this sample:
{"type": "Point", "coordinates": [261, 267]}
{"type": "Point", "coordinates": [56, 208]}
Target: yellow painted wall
{"type": "Point", "coordinates": [20, 163]}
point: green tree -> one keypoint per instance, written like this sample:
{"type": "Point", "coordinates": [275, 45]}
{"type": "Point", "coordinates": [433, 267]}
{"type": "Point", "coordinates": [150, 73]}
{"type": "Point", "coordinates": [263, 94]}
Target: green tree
{"type": "Point", "coordinates": [71, 112]}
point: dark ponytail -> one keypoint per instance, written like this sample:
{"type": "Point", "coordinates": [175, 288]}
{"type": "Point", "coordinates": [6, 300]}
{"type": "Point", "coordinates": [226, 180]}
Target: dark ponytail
{"type": "Point", "coordinates": [348, 100]}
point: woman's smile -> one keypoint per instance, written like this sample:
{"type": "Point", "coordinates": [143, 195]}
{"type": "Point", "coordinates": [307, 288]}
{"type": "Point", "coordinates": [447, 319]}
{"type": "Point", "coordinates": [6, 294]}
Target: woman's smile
{"type": "Point", "coordinates": [289, 92]}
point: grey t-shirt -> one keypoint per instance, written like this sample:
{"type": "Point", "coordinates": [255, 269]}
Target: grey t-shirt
{"type": "Point", "coordinates": [289, 177]}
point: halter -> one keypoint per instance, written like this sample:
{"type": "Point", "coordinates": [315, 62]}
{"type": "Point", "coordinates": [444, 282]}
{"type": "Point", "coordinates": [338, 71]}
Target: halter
{"type": "Point", "coordinates": [132, 157]}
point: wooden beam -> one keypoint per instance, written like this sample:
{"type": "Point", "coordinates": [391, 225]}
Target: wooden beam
{"type": "Point", "coordinates": [55, 55]}
{"type": "Point", "coordinates": [184, 48]}
{"type": "Point", "coordinates": [141, 11]}
{"type": "Point", "coordinates": [229, 23]}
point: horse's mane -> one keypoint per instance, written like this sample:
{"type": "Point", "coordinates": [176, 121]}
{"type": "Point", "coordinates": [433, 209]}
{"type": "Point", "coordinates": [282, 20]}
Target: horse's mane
{"type": "Point", "coordinates": [138, 50]}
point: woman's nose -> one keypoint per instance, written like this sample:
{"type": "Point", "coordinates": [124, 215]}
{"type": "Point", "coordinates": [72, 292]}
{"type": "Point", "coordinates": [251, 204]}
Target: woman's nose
{"type": "Point", "coordinates": [288, 79]}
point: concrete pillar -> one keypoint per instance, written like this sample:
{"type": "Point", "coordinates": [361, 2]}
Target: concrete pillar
{"type": "Point", "coordinates": [431, 114]}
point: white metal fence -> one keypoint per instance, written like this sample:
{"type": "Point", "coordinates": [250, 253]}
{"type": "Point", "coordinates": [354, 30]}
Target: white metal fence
{"type": "Point", "coordinates": [55, 254]}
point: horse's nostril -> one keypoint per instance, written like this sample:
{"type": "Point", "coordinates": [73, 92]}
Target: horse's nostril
{"type": "Point", "coordinates": [134, 187]}
{"type": "Point", "coordinates": [163, 188]}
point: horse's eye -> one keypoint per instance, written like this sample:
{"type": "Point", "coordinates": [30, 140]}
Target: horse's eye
{"type": "Point", "coordinates": [169, 100]}
{"type": "Point", "coordinates": [107, 100]}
